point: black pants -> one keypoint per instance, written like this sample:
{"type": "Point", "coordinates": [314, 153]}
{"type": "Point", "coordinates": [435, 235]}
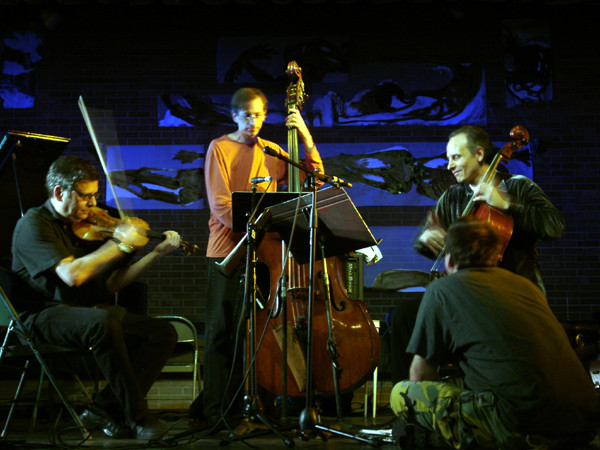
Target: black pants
{"type": "Point", "coordinates": [402, 324]}
{"type": "Point", "coordinates": [224, 298]}
{"type": "Point", "coordinates": [130, 349]}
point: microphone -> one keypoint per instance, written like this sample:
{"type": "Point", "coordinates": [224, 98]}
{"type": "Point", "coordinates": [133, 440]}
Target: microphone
{"type": "Point", "coordinates": [257, 180]}
{"type": "Point", "coordinates": [269, 151]}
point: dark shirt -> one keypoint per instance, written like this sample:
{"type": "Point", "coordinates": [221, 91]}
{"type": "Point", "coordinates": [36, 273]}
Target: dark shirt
{"type": "Point", "coordinates": [40, 241]}
{"type": "Point", "coordinates": [534, 218]}
{"type": "Point", "coordinates": [500, 329]}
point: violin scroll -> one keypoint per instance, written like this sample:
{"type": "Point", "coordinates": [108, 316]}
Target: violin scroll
{"type": "Point", "coordinates": [188, 249]}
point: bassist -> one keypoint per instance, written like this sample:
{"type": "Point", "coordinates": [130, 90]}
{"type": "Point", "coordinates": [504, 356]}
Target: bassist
{"type": "Point", "coordinates": [232, 161]}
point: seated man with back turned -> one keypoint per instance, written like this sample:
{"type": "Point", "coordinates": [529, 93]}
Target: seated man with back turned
{"type": "Point", "coordinates": [76, 280]}
{"type": "Point", "coordinates": [523, 383]}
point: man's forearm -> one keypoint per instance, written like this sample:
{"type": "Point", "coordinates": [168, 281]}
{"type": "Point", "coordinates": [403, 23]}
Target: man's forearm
{"type": "Point", "coordinates": [423, 370]}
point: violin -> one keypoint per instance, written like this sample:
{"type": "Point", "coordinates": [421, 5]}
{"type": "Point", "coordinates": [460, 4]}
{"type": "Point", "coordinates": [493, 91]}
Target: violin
{"type": "Point", "coordinates": [100, 226]}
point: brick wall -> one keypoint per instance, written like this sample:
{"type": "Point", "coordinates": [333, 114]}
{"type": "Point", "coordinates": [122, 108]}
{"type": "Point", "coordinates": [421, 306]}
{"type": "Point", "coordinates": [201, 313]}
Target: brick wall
{"type": "Point", "coordinates": [123, 58]}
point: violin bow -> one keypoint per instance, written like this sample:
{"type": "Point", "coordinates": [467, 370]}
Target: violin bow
{"type": "Point", "coordinates": [88, 123]}
{"type": "Point", "coordinates": [186, 247]}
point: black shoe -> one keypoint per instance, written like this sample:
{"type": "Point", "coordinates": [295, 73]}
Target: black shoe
{"type": "Point", "coordinates": [96, 418]}
{"type": "Point", "coordinates": [207, 423]}
{"type": "Point", "coordinates": [403, 435]}
{"type": "Point", "coordinates": [150, 427]}
{"type": "Point", "coordinates": [196, 409]}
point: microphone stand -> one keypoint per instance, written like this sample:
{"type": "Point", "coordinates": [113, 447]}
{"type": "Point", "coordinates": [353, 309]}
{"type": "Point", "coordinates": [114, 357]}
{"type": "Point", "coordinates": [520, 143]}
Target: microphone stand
{"type": "Point", "coordinates": [252, 405]}
{"type": "Point", "coordinates": [330, 179]}
{"type": "Point", "coordinates": [308, 416]}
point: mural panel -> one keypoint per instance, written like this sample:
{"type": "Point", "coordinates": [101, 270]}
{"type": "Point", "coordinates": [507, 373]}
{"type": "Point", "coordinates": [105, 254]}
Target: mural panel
{"type": "Point", "coordinates": [382, 174]}
{"type": "Point", "coordinates": [156, 176]}
{"type": "Point", "coordinates": [344, 88]}
{"type": "Point", "coordinates": [527, 49]}
{"type": "Point", "coordinates": [18, 58]}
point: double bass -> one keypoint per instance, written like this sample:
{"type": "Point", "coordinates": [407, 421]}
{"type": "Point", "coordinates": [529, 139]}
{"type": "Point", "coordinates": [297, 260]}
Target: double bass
{"type": "Point", "coordinates": [353, 347]}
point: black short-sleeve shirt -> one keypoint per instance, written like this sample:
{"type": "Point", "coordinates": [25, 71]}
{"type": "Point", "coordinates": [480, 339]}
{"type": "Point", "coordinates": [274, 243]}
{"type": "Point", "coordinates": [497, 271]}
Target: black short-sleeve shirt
{"type": "Point", "coordinates": [42, 239]}
{"type": "Point", "coordinates": [500, 329]}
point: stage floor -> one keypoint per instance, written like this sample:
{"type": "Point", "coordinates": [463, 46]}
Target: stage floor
{"type": "Point", "coordinates": [361, 433]}
{"type": "Point", "coordinates": [184, 435]}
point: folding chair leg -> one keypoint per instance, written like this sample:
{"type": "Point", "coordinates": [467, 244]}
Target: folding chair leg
{"type": "Point", "coordinates": [63, 397]}
{"type": "Point", "coordinates": [83, 389]}
{"type": "Point", "coordinates": [36, 405]}
{"type": "Point", "coordinates": [15, 399]}
{"type": "Point", "coordinates": [16, 326]}
{"type": "Point", "coordinates": [194, 382]}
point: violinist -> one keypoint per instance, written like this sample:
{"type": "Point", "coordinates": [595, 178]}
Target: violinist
{"type": "Point", "coordinates": [231, 162]}
{"type": "Point", "coordinates": [76, 281]}
{"type": "Point", "coordinates": [470, 152]}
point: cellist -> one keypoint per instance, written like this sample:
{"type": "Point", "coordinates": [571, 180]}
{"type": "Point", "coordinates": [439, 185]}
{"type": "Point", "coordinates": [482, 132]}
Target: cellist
{"type": "Point", "coordinates": [469, 152]}
{"type": "Point", "coordinates": [232, 161]}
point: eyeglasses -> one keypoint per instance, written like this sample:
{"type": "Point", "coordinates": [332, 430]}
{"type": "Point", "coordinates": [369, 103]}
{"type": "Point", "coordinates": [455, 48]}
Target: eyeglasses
{"type": "Point", "coordinates": [87, 197]}
{"type": "Point", "coordinates": [257, 117]}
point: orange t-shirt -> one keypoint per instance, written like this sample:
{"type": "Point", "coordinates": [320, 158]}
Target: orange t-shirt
{"type": "Point", "coordinates": [228, 167]}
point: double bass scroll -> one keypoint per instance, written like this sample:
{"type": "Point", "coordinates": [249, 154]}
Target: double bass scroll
{"type": "Point", "coordinates": [295, 98]}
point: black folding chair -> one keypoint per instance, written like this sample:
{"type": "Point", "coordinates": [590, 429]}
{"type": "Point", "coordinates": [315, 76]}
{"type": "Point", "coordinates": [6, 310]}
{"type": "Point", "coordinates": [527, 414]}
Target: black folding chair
{"type": "Point", "coordinates": [19, 345]}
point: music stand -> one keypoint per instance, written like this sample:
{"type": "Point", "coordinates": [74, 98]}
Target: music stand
{"type": "Point", "coordinates": [37, 151]}
{"type": "Point", "coordinates": [248, 208]}
{"type": "Point", "coordinates": [255, 220]}
{"type": "Point", "coordinates": [41, 149]}
{"type": "Point", "coordinates": [241, 205]}
{"type": "Point", "coordinates": [339, 228]}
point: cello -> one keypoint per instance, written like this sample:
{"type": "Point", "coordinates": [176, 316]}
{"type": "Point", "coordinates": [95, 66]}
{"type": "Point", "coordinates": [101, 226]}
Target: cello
{"type": "Point", "coordinates": [352, 348]}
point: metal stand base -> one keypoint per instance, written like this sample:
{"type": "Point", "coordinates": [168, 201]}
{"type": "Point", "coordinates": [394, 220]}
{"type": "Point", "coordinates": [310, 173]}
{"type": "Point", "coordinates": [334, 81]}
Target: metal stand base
{"type": "Point", "coordinates": [310, 428]}
{"type": "Point", "coordinates": [255, 424]}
